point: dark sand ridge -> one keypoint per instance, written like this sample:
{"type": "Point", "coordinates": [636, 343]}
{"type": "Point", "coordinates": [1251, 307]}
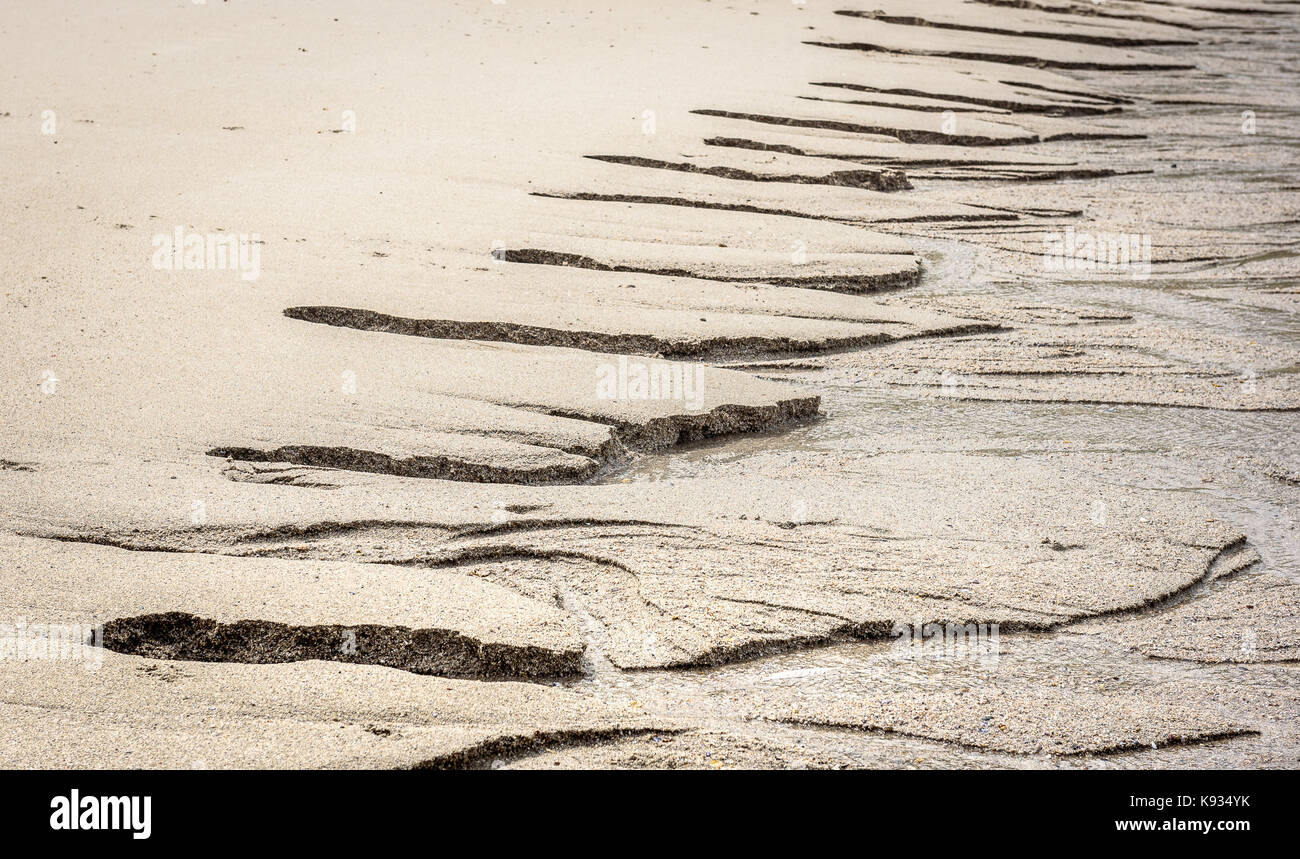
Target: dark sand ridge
{"type": "Point", "coordinates": [120, 455]}
{"type": "Point", "coordinates": [1192, 16]}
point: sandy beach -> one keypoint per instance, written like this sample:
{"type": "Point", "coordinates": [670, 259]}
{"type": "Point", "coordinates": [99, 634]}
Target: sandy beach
{"type": "Point", "coordinates": [688, 385]}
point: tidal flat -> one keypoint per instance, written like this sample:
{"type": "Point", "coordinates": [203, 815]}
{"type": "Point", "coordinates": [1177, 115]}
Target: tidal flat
{"type": "Point", "coordinates": [759, 385]}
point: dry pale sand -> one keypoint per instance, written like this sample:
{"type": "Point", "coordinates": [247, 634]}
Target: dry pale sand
{"type": "Point", "coordinates": [383, 489]}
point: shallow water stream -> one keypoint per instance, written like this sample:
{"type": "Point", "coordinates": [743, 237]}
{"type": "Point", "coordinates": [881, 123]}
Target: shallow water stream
{"type": "Point", "coordinates": [1214, 454]}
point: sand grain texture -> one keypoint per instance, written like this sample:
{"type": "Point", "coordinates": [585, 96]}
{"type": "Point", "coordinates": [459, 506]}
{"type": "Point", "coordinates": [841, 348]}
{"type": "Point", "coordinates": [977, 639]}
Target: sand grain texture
{"type": "Point", "coordinates": [365, 503]}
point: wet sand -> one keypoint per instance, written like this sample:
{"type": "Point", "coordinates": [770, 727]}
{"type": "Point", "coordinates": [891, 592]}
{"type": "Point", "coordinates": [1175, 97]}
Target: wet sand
{"type": "Point", "coordinates": [383, 487]}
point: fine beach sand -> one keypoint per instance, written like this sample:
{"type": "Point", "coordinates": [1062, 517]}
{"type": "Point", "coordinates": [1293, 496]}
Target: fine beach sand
{"type": "Point", "coordinates": [328, 341]}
